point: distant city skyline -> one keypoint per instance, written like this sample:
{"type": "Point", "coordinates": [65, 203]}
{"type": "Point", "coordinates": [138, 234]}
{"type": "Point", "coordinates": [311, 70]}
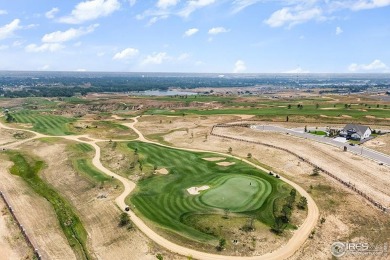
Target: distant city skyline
{"type": "Point", "coordinates": [217, 36]}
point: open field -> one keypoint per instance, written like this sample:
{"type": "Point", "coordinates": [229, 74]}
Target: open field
{"type": "Point", "coordinates": [380, 144]}
{"type": "Point", "coordinates": [39, 220]}
{"type": "Point", "coordinates": [164, 199]}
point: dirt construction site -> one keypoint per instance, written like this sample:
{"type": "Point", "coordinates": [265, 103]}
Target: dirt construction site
{"type": "Point", "coordinates": [344, 215]}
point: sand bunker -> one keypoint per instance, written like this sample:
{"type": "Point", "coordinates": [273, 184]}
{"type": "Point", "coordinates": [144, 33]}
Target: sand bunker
{"type": "Point", "coordinates": [214, 159]}
{"type": "Point", "coordinates": [162, 171]}
{"type": "Point", "coordinates": [195, 190]}
{"type": "Point", "coordinates": [225, 163]}
{"type": "Point", "coordinates": [329, 108]}
{"type": "Point", "coordinates": [346, 116]}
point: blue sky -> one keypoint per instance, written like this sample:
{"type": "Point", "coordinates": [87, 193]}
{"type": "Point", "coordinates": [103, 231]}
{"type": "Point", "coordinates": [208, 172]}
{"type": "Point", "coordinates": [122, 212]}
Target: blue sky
{"type": "Point", "coordinates": [238, 36]}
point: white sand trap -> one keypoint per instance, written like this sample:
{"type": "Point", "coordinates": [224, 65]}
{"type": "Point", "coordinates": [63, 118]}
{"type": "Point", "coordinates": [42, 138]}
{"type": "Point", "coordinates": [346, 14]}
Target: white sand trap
{"type": "Point", "coordinates": [329, 108]}
{"type": "Point", "coordinates": [226, 163]}
{"type": "Point", "coordinates": [346, 116]}
{"type": "Point", "coordinates": [162, 171]}
{"type": "Point", "coordinates": [195, 190]}
{"type": "Point", "coordinates": [214, 159]}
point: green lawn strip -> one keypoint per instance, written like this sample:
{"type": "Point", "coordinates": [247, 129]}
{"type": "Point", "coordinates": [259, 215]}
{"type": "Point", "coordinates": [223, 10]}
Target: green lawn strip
{"type": "Point", "coordinates": [316, 132]}
{"type": "Point", "coordinates": [44, 123]}
{"type": "Point", "coordinates": [28, 169]}
{"type": "Point", "coordinates": [82, 162]}
{"type": "Point", "coordinates": [307, 110]}
{"type": "Point", "coordinates": [164, 200]}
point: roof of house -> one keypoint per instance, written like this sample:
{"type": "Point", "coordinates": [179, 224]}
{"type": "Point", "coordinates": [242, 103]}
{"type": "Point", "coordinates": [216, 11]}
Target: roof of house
{"type": "Point", "coordinates": [359, 129]}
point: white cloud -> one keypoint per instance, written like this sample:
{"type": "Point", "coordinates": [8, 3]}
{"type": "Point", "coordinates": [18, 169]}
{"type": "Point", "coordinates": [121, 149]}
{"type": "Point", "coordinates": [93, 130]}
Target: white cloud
{"type": "Point", "coordinates": [369, 4]}
{"type": "Point", "coordinates": [239, 5]}
{"type": "Point", "coordinates": [191, 32]}
{"type": "Point", "coordinates": [217, 30]}
{"type": "Point", "coordinates": [91, 10]}
{"type": "Point", "coordinates": [81, 70]}
{"type": "Point", "coordinates": [339, 30]}
{"type": "Point", "coordinates": [68, 35]}
{"type": "Point", "coordinates": [132, 2]}
{"type": "Point", "coordinates": [193, 5]}
{"type": "Point", "coordinates": [155, 19]}
{"type": "Point", "coordinates": [44, 67]}
{"type": "Point", "coordinates": [292, 16]}
{"type": "Point", "coordinates": [156, 58]}
{"type": "Point", "coordinates": [2, 12]}
{"type": "Point", "coordinates": [239, 66]}
{"type": "Point", "coordinates": [46, 47]}
{"type": "Point", "coordinates": [8, 30]}
{"type": "Point", "coordinates": [52, 13]}
{"type": "Point", "coordinates": [183, 56]}
{"type": "Point", "coordinates": [3, 47]}
{"type": "Point", "coordinates": [126, 54]}
{"type": "Point", "coordinates": [297, 70]}
{"type": "Point", "coordinates": [376, 65]}
{"type": "Point", "coordinates": [17, 43]}
{"type": "Point", "coordinates": [163, 4]}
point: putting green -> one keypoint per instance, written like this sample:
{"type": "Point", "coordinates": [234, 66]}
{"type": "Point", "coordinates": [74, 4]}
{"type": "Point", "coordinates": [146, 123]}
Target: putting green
{"type": "Point", "coordinates": [238, 194]}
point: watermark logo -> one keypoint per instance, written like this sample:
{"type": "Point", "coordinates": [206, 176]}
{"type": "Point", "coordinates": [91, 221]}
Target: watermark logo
{"type": "Point", "coordinates": [339, 249]}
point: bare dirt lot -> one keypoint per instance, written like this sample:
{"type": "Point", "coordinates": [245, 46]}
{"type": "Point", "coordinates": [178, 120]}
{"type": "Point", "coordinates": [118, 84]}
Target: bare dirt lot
{"type": "Point", "coordinates": [380, 144]}
{"type": "Point", "coordinates": [10, 136]}
{"type": "Point", "coordinates": [12, 243]}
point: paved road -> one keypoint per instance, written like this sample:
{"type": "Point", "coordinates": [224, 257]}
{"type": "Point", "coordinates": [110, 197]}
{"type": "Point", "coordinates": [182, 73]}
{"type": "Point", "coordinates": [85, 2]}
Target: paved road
{"type": "Point", "coordinates": [284, 252]}
{"type": "Point", "coordinates": [359, 150]}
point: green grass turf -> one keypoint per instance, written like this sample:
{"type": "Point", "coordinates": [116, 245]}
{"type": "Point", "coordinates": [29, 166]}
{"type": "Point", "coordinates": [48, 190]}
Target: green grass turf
{"type": "Point", "coordinates": [164, 200]}
{"type": "Point", "coordinates": [355, 112]}
{"type": "Point", "coordinates": [45, 124]}
{"type": "Point", "coordinates": [28, 169]}
{"type": "Point", "coordinates": [238, 194]}
{"type": "Point", "coordinates": [81, 160]}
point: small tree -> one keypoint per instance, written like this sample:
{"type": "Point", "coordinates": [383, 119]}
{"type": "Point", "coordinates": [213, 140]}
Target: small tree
{"type": "Point", "coordinates": [124, 219]}
{"type": "Point", "coordinates": [317, 105]}
{"type": "Point", "coordinates": [230, 150]}
{"type": "Point", "coordinates": [221, 244]}
{"type": "Point", "coordinates": [302, 204]}
{"type": "Point", "coordinates": [278, 226]}
{"type": "Point", "coordinates": [249, 155]}
{"type": "Point", "coordinates": [159, 257]}
{"type": "Point", "coordinates": [289, 106]}
{"type": "Point", "coordinates": [305, 128]}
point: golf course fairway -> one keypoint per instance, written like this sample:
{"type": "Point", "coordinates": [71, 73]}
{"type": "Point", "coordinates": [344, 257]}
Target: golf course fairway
{"type": "Point", "coordinates": [238, 188]}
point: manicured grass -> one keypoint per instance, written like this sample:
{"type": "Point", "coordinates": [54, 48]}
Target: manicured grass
{"type": "Point", "coordinates": [81, 160]}
{"type": "Point", "coordinates": [238, 194]}
{"type": "Point", "coordinates": [356, 112]}
{"type": "Point", "coordinates": [44, 123]}
{"type": "Point", "coordinates": [164, 199]}
{"type": "Point", "coordinates": [28, 169]}
{"type": "Point", "coordinates": [315, 132]}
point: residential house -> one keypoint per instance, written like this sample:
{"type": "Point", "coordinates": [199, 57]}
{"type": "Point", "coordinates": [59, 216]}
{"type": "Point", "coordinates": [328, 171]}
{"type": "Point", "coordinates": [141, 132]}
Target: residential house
{"type": "Point", "coordinates": [355, 132]}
